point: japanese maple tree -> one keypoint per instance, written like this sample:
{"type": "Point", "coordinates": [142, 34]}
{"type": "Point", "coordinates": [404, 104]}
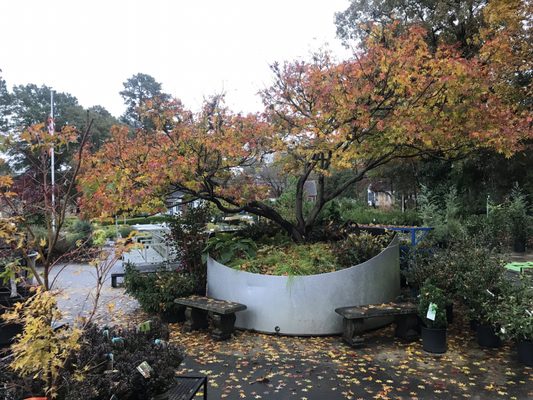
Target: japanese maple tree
{"type": "Point", "coordinates": [395, 98]}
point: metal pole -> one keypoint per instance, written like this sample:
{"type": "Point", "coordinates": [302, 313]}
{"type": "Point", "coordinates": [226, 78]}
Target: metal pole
{"type": "Point", "coordinates": [51, 129]}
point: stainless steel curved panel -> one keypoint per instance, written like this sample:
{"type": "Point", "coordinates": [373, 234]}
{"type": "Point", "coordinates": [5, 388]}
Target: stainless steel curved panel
{"type": "Point", "coordinates": [305, 305]}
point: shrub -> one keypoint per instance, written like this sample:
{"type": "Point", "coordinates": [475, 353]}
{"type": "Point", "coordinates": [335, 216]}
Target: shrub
{"type": "Point", "coordinates": [350, 210]}
{"type": "Point", "coordinates": [442, 266]}
{"type": "Point", "coordinates": [125, 230]}
{"type": "Point", "coordinates": [302, 259]}
{"type": "Point", "coordinates": [481, 275]}
{"type": "Point", "coordinates": [432, 295]}
{"type": "Point", "coordinates": [263, 231]}
{"type": "Point", "coordinates": [93, 376]}
{"type": "Point", "coordinates": [156, 291]}
{"type": "Point", "coordinates": [228, 248]}
{"type": "Point", "coordinates": [287, 258]}
{"type": "Point", "coordinates": [514, 314]}
{"type": "Point", "coordinates": [188, 238]}
{"type": "Point", "coordinates": [357, 248]}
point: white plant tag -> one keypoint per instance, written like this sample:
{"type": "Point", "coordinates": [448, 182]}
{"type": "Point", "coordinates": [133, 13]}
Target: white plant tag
{"type": "Point", "coordinates": [145, 369]}
{"type": "Point", "coordinates": [432, 311]}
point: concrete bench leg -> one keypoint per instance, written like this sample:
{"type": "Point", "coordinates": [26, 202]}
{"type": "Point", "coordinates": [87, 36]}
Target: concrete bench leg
{"type": "Point", "coordinates": [352, 332]}
{"type": "Point", "coordinates": [195, 319]}
{"type": "Point", "coordinates": [114, 283]}
{"type": "Point", "coordinates": [224, 325]}
{"type": "Point", "coordinates": [407, 327]}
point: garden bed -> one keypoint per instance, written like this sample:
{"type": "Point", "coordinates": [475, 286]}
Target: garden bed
{"type": "Point", "coordinates": [305, 305]}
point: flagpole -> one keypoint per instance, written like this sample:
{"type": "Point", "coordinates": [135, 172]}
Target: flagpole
{"type": "Point", "coordinates": [51, 130]}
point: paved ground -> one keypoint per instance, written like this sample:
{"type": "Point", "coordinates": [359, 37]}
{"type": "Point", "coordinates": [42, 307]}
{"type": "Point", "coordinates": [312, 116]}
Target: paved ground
{"type": "Point", "coordinates": [257, 366]}
{"type": "Point", "coordinates": [76, 297]}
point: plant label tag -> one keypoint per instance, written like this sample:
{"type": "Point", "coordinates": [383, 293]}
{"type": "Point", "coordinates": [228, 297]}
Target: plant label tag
{"type": "Point", "coordinates": [144, 327]}
{"type": "Point", "coordinates": [432, 311]}
{"type": "Point", "coordinates": [145, 369]}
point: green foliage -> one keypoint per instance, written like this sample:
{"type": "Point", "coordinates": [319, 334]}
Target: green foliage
{"type": "Point", "coordinates": [518, 218]}
{"type": "Point", "coordinates": [82, 230]}
{"type": "Point", "coordinates": [351, 210]}
{"type": "Point", "coordinates": [442, 214]}
{"type": "Point", "coordinates": [124, 230]}
{"type": "Point", "coordinates": [430, 293]}
{"type": "Point", "coordinates": [155, 219]}
{"type": "Point", "coordinates": [264, 232]}
{"type": "Point", "coordinates": [514, 313]}
{"type": "Point", "coordinates": [156, 291]}
{"type": "Point", "coordinates": [357, 248]}
{"type": "Point", "coordinates": [137, 90]}
{"type": "Point", "coordinates": [481, 277]}
{"type": "Point", "coordinates": [442, 265]}
{"type": "Point", "coordinates": [296, 259]}
{"type": "Point", "coordinates": [188, 237]}
{"type": "Point", "coordinates": [226, 247]}
{"type": "Point", "coordinates": [455, 23]}
{"type": "Point", "coordinates": [94, 377]}
{"type": "Point", "coordinates": [279, 256]}
{"type": "Point", "coordinates": [285, 204]}
{"type": "Point", "coordinates": [40, 232]}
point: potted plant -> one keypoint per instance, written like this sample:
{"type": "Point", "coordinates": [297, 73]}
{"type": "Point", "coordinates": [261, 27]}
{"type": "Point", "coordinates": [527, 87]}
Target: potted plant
{"type": "Point", "coordinates": [156, 291]}
{"type": "Point", "coordinates": [481, 278]}
{"type": "Point", "coordinates": [492, 304]}
{"type": "Point", "coordinates": [442, 267]}
{"type": "Point", "coordinates": [432, 312]}
{"type": "Point", "coordinates": [515, 317]}
{"type": "Point", "coordinates": [488, 321]}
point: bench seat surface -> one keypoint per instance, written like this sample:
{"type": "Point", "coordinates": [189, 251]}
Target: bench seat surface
{"type": "Point", "coordinates": [205, 303]}
{"type": "Point", "coordinates": [376, 310]}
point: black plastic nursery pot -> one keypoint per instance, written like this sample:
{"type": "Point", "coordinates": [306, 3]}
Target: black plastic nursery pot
{"type": "Point", "coordinates": [434, 340]}
{"type": "Point", "coordinates": [173, 315]}
{"type": "Point", "coordinates": [486, 336]}
{"type": "Point", "coordinates": [8, 333]}
{"type": "Point", "coordinates": [474, 324]}
{"type": "Point", "coordinates": [525, 352]}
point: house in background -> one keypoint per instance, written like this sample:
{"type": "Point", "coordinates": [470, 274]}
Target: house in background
{"type": "Point", "coordinates": [380, 195]}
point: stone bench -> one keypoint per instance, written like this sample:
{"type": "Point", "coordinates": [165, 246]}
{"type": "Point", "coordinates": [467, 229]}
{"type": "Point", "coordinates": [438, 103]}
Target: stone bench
{"type": "Point", "coordinates": [353, 320]}
{"type": "Point", "coordinates": [114, 279]}
{"type": "Point", "coordinates": [222, 313]}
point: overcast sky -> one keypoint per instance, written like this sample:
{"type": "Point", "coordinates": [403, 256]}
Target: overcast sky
{"type": "Point", "coordinates": [194, 48]}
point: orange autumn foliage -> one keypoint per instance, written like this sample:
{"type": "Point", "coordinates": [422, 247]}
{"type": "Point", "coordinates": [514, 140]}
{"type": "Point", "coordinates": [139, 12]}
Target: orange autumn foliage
{"type": "Point", "coordinates": [397, 98]}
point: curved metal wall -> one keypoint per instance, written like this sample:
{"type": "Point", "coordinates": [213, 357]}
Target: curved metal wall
{"type": "Point", "coordinates": [305, 305]}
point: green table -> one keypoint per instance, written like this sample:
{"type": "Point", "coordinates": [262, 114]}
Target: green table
{"type": "Point", "coordinates": [519, 266]}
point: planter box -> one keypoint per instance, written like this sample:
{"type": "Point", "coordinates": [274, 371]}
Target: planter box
{"type": "Point", "coordinates": [305, 305]}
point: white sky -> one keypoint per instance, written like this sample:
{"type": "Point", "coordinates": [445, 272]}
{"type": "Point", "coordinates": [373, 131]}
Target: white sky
{"type": "Point", "coordinates": [194, 48]}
